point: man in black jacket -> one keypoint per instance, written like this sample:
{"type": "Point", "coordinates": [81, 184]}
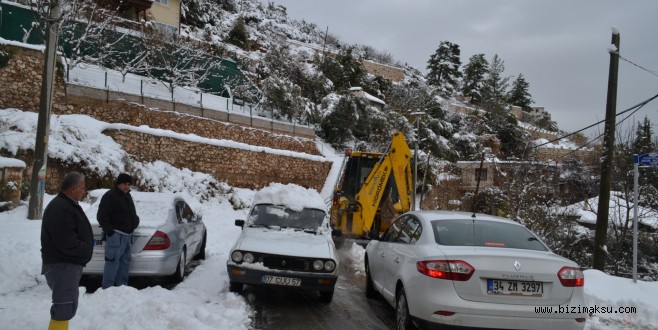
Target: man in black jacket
{"type": "Point", "coordinates": [118, 218]}
{"type": "Point", "coordinates": [66, 247]}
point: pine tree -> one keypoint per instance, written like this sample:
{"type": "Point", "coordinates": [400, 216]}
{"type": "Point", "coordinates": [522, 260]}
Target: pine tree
{"type": "Point", "coordinates": [443, 68]}
{"type": "Point", "coordinates": [642, 143]}
{"type": "Point", "coordinates": [519, 94]}
{"type": "Point", "coordinates": [474, 74]}
{"type": "Point", "coordinates": [494, 88]}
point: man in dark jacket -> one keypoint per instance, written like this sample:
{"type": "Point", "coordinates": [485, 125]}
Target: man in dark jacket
{"type": "Point", "coordinates": [118, 218]}
{"type": "Point", "coordinates": [66, 247]}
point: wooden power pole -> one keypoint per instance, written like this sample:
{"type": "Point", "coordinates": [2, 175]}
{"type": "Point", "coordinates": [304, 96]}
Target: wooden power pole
{"type": "Point", "coordinates": [39, 165]}
{"type": "Point", "coordinates": [601, 234]}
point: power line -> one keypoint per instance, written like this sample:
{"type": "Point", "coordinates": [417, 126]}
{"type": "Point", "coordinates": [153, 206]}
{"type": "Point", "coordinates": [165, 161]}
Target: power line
{"type": "Point", "coordinates": [639, 66]}
{"type": "Point", "coordinates": [638, 106]}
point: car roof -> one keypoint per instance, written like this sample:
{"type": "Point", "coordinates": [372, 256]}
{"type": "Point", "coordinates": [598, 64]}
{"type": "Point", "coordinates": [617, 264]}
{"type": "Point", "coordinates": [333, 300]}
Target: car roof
{"type": "Point", "coordinates": [152, 207]}
{"type": "Point", "coordinates": [459, 215]}
{"type": "Point", "coordinates": [292, 196]}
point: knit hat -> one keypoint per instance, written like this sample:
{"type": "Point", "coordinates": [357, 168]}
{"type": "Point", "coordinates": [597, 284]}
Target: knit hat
{"type": "Point", "coordinates": [123, 178]}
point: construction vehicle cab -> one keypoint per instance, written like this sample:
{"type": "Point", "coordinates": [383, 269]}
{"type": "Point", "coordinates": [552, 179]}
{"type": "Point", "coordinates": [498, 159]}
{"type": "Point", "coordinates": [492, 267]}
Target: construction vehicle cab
{"type": "Point", "coordinates": [372, 190]}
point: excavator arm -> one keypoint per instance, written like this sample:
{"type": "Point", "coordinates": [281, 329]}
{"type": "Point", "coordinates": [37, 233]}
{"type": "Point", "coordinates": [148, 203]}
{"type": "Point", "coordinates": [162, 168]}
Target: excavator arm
{"type": "Point", "coordinates": [395, 162]}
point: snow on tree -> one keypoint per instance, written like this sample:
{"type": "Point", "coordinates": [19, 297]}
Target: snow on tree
{"type": "Point", "coordinates": [519, 94]}
{"type": "Point", "coordinates": [494, 87]}
{"type": "Point", "coordinates": [443, 68]}
{"type": "Point", "coordinates": [474, 74]}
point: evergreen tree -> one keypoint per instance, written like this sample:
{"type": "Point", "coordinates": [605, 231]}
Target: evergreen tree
{"type": "Point", "coordinates": [519, 94]}
{"type": "Point", "coordinates": [494, 88]}
{"type": "Point", "coordinates": [474, 74]}
{"type": "Point", "coordinates": [643, 143]}
{"type": "Point", "coordinates": [443, 68]}
{"type": "Point", "coordinates": [238, 35]}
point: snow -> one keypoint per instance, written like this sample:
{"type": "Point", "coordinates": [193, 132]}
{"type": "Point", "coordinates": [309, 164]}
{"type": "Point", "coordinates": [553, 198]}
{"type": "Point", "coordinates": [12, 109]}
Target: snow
{"type": "Point", "coordinates": [292, 196]}
{"type": "Point", "coordinates": [619, 207]}
{"type": "Point", "coordinates": [153, 210]}
{"type": "Point", "coordinates": [202, 301]}
{"type": "Point", "coordinates": [11, 162]}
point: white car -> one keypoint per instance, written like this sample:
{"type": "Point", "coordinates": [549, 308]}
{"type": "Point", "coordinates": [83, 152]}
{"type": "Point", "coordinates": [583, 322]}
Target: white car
{"type": "Point", "coordinates": [168, 237]}
{"type": "Point", "coordinates": [472, 270]}
{"type": "Point", "coordinates": [285, 242]}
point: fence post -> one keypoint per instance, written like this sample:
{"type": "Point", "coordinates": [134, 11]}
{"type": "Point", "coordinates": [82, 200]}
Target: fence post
{"type": "Point", "coordinates": [251, 117]}
{"type": "Point", "coordinates": [105, 79]}
{"type": "Point", "coordinates": [141, 89]}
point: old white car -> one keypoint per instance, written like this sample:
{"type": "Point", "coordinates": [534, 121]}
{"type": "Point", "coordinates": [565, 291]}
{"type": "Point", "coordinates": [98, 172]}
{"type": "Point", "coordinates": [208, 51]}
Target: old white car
{"type": "Point", "coordinates": [285, 242]}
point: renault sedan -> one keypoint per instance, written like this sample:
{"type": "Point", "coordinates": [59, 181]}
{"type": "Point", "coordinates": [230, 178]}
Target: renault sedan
{"type": "Point", "coordinates": [169, 236]}
{"type": "Point", "coordinates": [472, 270]}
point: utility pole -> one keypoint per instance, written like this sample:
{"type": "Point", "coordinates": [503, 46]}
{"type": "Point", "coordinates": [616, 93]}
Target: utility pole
{"type": "Point", "coordinates": [601, 233]}
{"type": "Point", "coordinates": [39, 165]}
{"type": "Point", "coordinates": [415, 177]}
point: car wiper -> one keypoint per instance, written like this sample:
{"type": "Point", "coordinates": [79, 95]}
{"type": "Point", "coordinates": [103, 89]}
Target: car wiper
{"type": "Point", "coordinates": [533, 239]}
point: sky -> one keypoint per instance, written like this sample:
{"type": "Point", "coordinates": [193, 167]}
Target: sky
{"type": "Point", "coordinates": [202, 300]}
{"type": "Point", "coordinates": [560, 47]}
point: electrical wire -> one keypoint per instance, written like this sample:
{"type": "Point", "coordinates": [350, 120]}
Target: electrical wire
{"type": "Point", "coordinates": [639, 66]}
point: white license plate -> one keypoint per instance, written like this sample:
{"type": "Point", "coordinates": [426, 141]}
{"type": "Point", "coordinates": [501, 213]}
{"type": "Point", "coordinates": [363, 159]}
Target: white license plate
{"type": "Point", "coordinates": [98, 240]}
{"type": "Point", "coordinates": [517, 288]}
{"type": "Point", "coordinates": [280, 280]}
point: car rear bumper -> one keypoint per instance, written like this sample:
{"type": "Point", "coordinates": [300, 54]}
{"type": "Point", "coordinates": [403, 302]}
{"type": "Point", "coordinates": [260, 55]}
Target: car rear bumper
{"type": "Point", "coordinates": [427, 297]}
{"type": "Point", "coordinates": [145, 263]}
{"type": "Point", "coordinates": [309, 281]}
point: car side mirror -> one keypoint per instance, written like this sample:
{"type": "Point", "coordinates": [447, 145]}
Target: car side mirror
{"type": "Point", "coordinates": [336, 232]}
{"type": "Point", "coordinates": [239, 223]}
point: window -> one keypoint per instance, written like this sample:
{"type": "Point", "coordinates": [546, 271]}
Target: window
{"type": "Point", "coordinates": [162, 2]}
{"type": "Point", "coordinates": [393, 231]}
{"type": "Point", "coordinates": [184, 212]}
{"type": "Point", "coordinates": [410, 232]}
{"type": "Point", "coordinates": [485, 233]}
{"type": "Point", "coordinates": [481, 173]}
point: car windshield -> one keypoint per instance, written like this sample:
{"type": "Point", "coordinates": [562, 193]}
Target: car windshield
{"type": "Point", "coordinates": [485, 233]}
{"type": "Point", "coordinates": [274, 215]}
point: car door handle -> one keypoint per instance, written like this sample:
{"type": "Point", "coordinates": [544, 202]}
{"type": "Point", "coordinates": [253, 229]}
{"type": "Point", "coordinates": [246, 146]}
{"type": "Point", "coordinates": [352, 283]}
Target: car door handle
{"type": "Point", "coordinates": [397, 260]}
{"type": "Point", "coordinates": [383, 255]}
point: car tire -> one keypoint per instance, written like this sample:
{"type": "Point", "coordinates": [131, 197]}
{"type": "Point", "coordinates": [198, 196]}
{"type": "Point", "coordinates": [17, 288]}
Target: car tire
{"type": "Point", "coordinates": [202, 252]}
{"type": "Point", "coordinates": [402, 317]}
{"type": "Point", "coordinates": [370, 287]}
{"type": "Point", "coordinates": [179, 274]}
{"type": "Point", "coordinates": [326, 296]}
{"type": "Point", "coordinates": [235, 287]}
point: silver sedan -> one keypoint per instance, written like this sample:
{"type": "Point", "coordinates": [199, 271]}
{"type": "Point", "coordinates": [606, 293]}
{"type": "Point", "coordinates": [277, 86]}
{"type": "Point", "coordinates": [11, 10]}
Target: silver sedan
{"type": "Point", "coordinates": [169, 236]}
{"type": "Point", "coordinates": [472, 270]}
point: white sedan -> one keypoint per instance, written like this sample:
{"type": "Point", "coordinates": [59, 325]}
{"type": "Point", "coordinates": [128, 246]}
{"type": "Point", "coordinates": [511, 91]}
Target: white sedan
{"type": "Point", "coordinates": [472, 270]}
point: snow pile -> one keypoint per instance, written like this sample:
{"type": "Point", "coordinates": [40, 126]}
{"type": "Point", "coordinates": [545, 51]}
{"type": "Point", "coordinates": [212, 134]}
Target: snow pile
{"type": "Point", "coordinates": [292, 196]}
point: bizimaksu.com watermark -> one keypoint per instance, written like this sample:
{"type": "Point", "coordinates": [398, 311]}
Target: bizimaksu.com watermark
{"type": "Point", "coordinates": [585, 309]}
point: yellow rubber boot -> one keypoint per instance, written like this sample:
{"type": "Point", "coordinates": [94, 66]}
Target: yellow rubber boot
{"type": "Point", "coordinates": [58, 325]}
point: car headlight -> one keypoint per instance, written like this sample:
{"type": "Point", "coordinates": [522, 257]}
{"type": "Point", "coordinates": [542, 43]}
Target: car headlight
{"type": "Point", "coordinates": [329, 265]}
{"type": "Point", "coordinates": [236, 256]}
{"type": "Point", "coordinates": [318, 264]}
{"type": "Point", "coordinates": [248, 257]}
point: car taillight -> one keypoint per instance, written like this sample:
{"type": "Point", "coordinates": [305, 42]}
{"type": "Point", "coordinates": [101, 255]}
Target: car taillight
{"type": "Point", "coordinates": [571, 276]}
{"type": "Point", "coordinates": [159, 241]}
{"type": "Point", "coordinates": [456, 270]}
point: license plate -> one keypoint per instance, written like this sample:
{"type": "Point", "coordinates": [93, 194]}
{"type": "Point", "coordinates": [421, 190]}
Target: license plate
{"type": "Point", "coordinates": [280, 280]}
{"type": "Point", "coordinates": [517, 288]}
{"type": "Point", "coordinates": [98, 240]}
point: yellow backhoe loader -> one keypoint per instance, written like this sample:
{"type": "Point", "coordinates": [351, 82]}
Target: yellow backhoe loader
{"type": "Point", "coordinates": [372, 190]}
